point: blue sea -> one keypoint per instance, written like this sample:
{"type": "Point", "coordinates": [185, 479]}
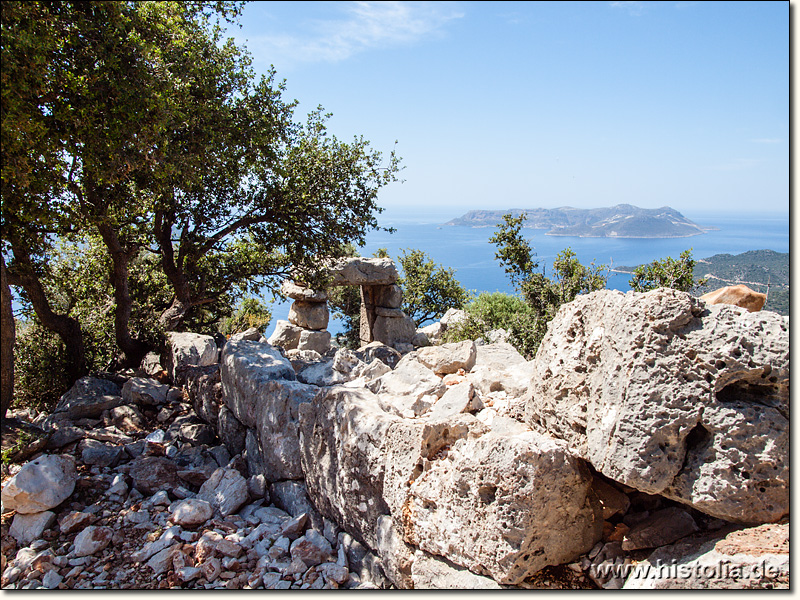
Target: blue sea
{"type": "Point", "coordinates": [468, 251]}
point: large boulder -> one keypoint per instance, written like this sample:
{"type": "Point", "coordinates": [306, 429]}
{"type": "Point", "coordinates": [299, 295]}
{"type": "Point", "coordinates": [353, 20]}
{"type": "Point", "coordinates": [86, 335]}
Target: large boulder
{"type": "Point", "coordinates": [40, 484]}
{"type": "Point", "coordinates": [738, 295]}
{"type": "Point", "coordinates": [499, 367]}
{"type": "Point", "coordinates": [143, 390]}
{"type": "Point", "coordinates": [671, 396]}
{"type": "Point", "coordinates": [363, 271]}
{"type": "Point", "coordinates": [89, 397]}
{"type": "Point", "coordinates": [309, 315]}
{"type": "Point", "coordinates": [503, 502]}
{"type": "Point", "coordinates": [286, 335]}
{"type": "Point", "coordinates": [472, 495]}
{"type": "Point", "coordinates": [189, 350]}
{"type": "Point", "coordinates": [261, 391]}
{"type": "Point", "coordinates": [449, 358]}
{"type": "Point", "coordinates": [297, 292]}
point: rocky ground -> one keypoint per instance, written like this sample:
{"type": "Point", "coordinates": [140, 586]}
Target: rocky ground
{"type": "Point", "coordinates": [133, 488]}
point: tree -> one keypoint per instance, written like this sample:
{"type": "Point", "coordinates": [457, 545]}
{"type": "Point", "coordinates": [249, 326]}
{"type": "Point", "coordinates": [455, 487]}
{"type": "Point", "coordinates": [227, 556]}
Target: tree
{"type": "Point", "coordinates": [429, 290]}
{"type": "Point", "coordinates": [137, 123]}
{"type": "Point", "coordinates": [542, 295]}
{"type": "Point", "coordinates": [671, 273]}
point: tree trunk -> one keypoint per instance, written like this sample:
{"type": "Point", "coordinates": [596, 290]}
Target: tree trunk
{"type": "Point", "coordinates": [68, 329]}
{"type": "Point", "coordinates": [7, 337]}
{"type": "Point", "coordinates": [172, 318]}
{"type": "Point", "coordinates": [133, 350]}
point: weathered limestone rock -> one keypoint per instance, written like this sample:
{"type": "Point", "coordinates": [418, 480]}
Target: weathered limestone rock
{"type": "Point", "coordinates": [387, 355]}
{"type": "Point", "coordinates": [481, 503]}
{"type": "Point", "coordinates": [341, 443]}
{"type": "Point", "coordinates": [410, 379]}
{"type": "Point", "coordinates": [127, 419]}
{"type": "Point", "coordinates": [27, 528]}
{"type": "Point", "coordinates": [499, 367]}
{"type": "Point", "coordinates": [143, 390]}
{"type": "Point", "coordinates": [453, 316]}
{"type": "Point", "coordinates": [756, 558]}
{"type": "Point", "coordinates": [459, 398]}
{"type": "Point", "coordinates": [92, 540]}
{"type": "Point", "coordinates": [205, 391]}
{"type": "Point", "coordinates": [297, 292]}
{"type": "Point", "coordinates": [40, 484]}
{"type": "Point", "coordinates": [100, 454]}
{"type": "Point", "coordinates": [232, 433]}
{"type": "Point", "coordinates": [226, 490]}
{"type": "Point", "coordinates": [286, 335]}
{"type": "Point", "coordinates": [433, 332]}
{"type": "Point", "coordinates": [261, 391]}
{"type": "Point", "coordinates": [318, 341]}
{"type": "Point", "coordinates": [189, 350]}
{"type": "Point", "coordinates": [387, 296]}
{"type": "Point", "coordinates": [363, 271]}
{"type": "Point", "coordinates": [449, 358]}
{"type": "Point", "coordinates": [309, 315]}
{"type": "Point", "coordinates": [151, 474]}
{"type": "Point", "coordinates": [89, 397]}
{"type": "Point", "coordinates": [738, 295]}
{"type": "Point", "coordinates": [428, 573]}
{"type": "Point", "coordinates": [191, 512]}
{"type": "Point", "coordinates": [252, 334]}
{"type": "Point", "coordinates": [393, 329]}
{"type": "Point", "coordinates": [671, 396]}
{"type": "Point", "coordinates": [397, 556]}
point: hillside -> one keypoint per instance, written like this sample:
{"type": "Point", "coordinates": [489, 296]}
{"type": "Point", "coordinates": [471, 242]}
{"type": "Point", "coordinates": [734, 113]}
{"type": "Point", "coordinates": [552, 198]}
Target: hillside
{"type": "Point", "coordinates": [621, 221]}
{"type": "Point", "coordinates": [756, 269]}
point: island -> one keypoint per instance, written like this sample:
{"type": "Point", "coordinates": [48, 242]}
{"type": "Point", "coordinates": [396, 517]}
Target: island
{"type": "Point", "coordinates": [621, 221]}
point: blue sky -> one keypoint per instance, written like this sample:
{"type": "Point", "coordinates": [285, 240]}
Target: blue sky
{"type": "Point", "coordinates": [524, 104]}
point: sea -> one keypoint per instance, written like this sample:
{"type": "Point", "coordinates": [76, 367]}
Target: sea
{"type": "Point", "coordinates": [468, 252]}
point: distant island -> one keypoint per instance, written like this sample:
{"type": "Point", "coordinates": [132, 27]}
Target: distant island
{"type": "Point", "coordinates": [621, 221]}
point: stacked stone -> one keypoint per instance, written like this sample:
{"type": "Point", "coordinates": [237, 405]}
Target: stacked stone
{"type": "Point", "coordinates": [381, 298]}
{"type": "Point", "coordinates": [306, 328]}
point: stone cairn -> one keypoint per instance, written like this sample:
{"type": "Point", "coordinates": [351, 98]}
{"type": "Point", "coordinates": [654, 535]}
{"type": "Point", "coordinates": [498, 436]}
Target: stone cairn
{"type": "Point", "coordinates": [381, 299]}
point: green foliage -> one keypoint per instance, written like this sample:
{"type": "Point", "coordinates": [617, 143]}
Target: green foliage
{"type": "Point", "coordinates": [250, 312]}
{"type": "Point", "coordinates": [540, 295]}
{"type": "Point", "coordinates": [429, 290]}
{"type": "Point", "coordinates": [671, 273]}
{"type": "Point", "coordinates": [513, 251]}
{"type": "Point", "coordinates": [39, 368]}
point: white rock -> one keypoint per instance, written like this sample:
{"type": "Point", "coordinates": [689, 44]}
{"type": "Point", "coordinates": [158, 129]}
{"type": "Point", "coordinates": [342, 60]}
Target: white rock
{"type": "Point", "coordinates": [92, 540]}
{"type": "Point", "coordinates": [26, 528]}
{"type": "Point", "coordinates": [40, 484]}
{"type": "Point", "coordinates": [448, 358]}
{"type": "Point", "coordinates": [226, 490]}
{"type": "Point", "coordinates": [192, 512]}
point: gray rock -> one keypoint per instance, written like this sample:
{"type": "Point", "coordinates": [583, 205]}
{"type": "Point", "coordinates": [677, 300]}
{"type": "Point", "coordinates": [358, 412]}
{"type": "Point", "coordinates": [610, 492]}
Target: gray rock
{"type": "Point", "coordinates": [261, 393]}
{"type": "Point", "coordinates": [499, 367]}
{"type": "Point", "coordinates": [428, 573]}
{"type": "Point", "coordinates": [146, 391]}
{"type": "Point", "coordinates": [190, 349]}
{"type": "Point", "coordinates": [100, 454]}
{"type": "Point", "coordinates": [459, 398]}
{"type": "Point", "coordinates": [191, 512]}
{"type": "Point", "coordinates": [204, 387]}
{"type": "Point", "coordinates": [297, 292]}
{"type": "Point", "coordinates": [309, 315]}
{"type": "Point", "coordinates": [318, 341]}
{"type": "Point", "coordinates": [151, 365]}
{"type": "Point", "coordinates": [312, 548]}
{"type": "Point", "coordinates": [286, 335]}
{"type": "Point", "coordinates": [375, 369]}
{"type": "Point", "coordinates": [448, 358]}
{"type": "Point", "coordinates": [363, 271]}
{"type": "Point", "coordinates": [62, 434]}
{"type": "Point", "coordinates": [292, 496]}
{"type": "Point", "coordinates": [40, 484]}
{"type": "Point", "coordinates": [452, 317]}
{"type": "Point", "coordinates": [433, 333]}
{"type": "Point", "coordinates": [394, 329]}
{"type": "Point", "coordinates": [673, 397]}
{"type": "Point", "coordinates": [127, 418]}
{"type": "Point", "coordinates": [225, 490]}
{"type": "Point", "coordinates": [387, 355]}
{"type": "Point", "coordinates": [92, 540]}
{"type": "Point", "coordinates": [27, 528]}
{"type": "Point", "coordinates": [250, 335]}
{"type": "Point", "coordinates": [89, 397]}
{"type": "Point", "coordinates": [411, 379]}
{"type": "Point", "coordinates": [197, 434]}
{"type": "Point", "coordinates": [396, 555]}
{"type": "Point", "coordinates": [232, 433]}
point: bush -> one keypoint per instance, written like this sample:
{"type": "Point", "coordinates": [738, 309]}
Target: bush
{"type": "Point", "coordinates": [671, 273]}
{"type": "Point", "coordinates": [250, 312]}
{"type": "Point", "coordinates": [429, 290]}
{"type": "Point", "coordinates": [39, 368]}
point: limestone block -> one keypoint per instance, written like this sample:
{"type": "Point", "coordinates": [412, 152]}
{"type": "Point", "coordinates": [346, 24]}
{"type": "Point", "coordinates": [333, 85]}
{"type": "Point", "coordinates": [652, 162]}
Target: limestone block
{"type": "Point", "coordinates": [671, 396]}
{"type": "Point", "coordinates": [449, 358]}
{"type": "Point", "coordinates": [363, 271]}
{"type": "Point", "coordinates": [309, 315]}
{"type": "Point", "coordinates": [318, 341]}
{"type": "Point", "coordinates": [40, 484]}
{"type": "Point", "coordinates": [286, 335]}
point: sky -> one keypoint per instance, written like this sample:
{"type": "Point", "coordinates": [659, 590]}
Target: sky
{"type": "Point", "coordinates": [495, 105]}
